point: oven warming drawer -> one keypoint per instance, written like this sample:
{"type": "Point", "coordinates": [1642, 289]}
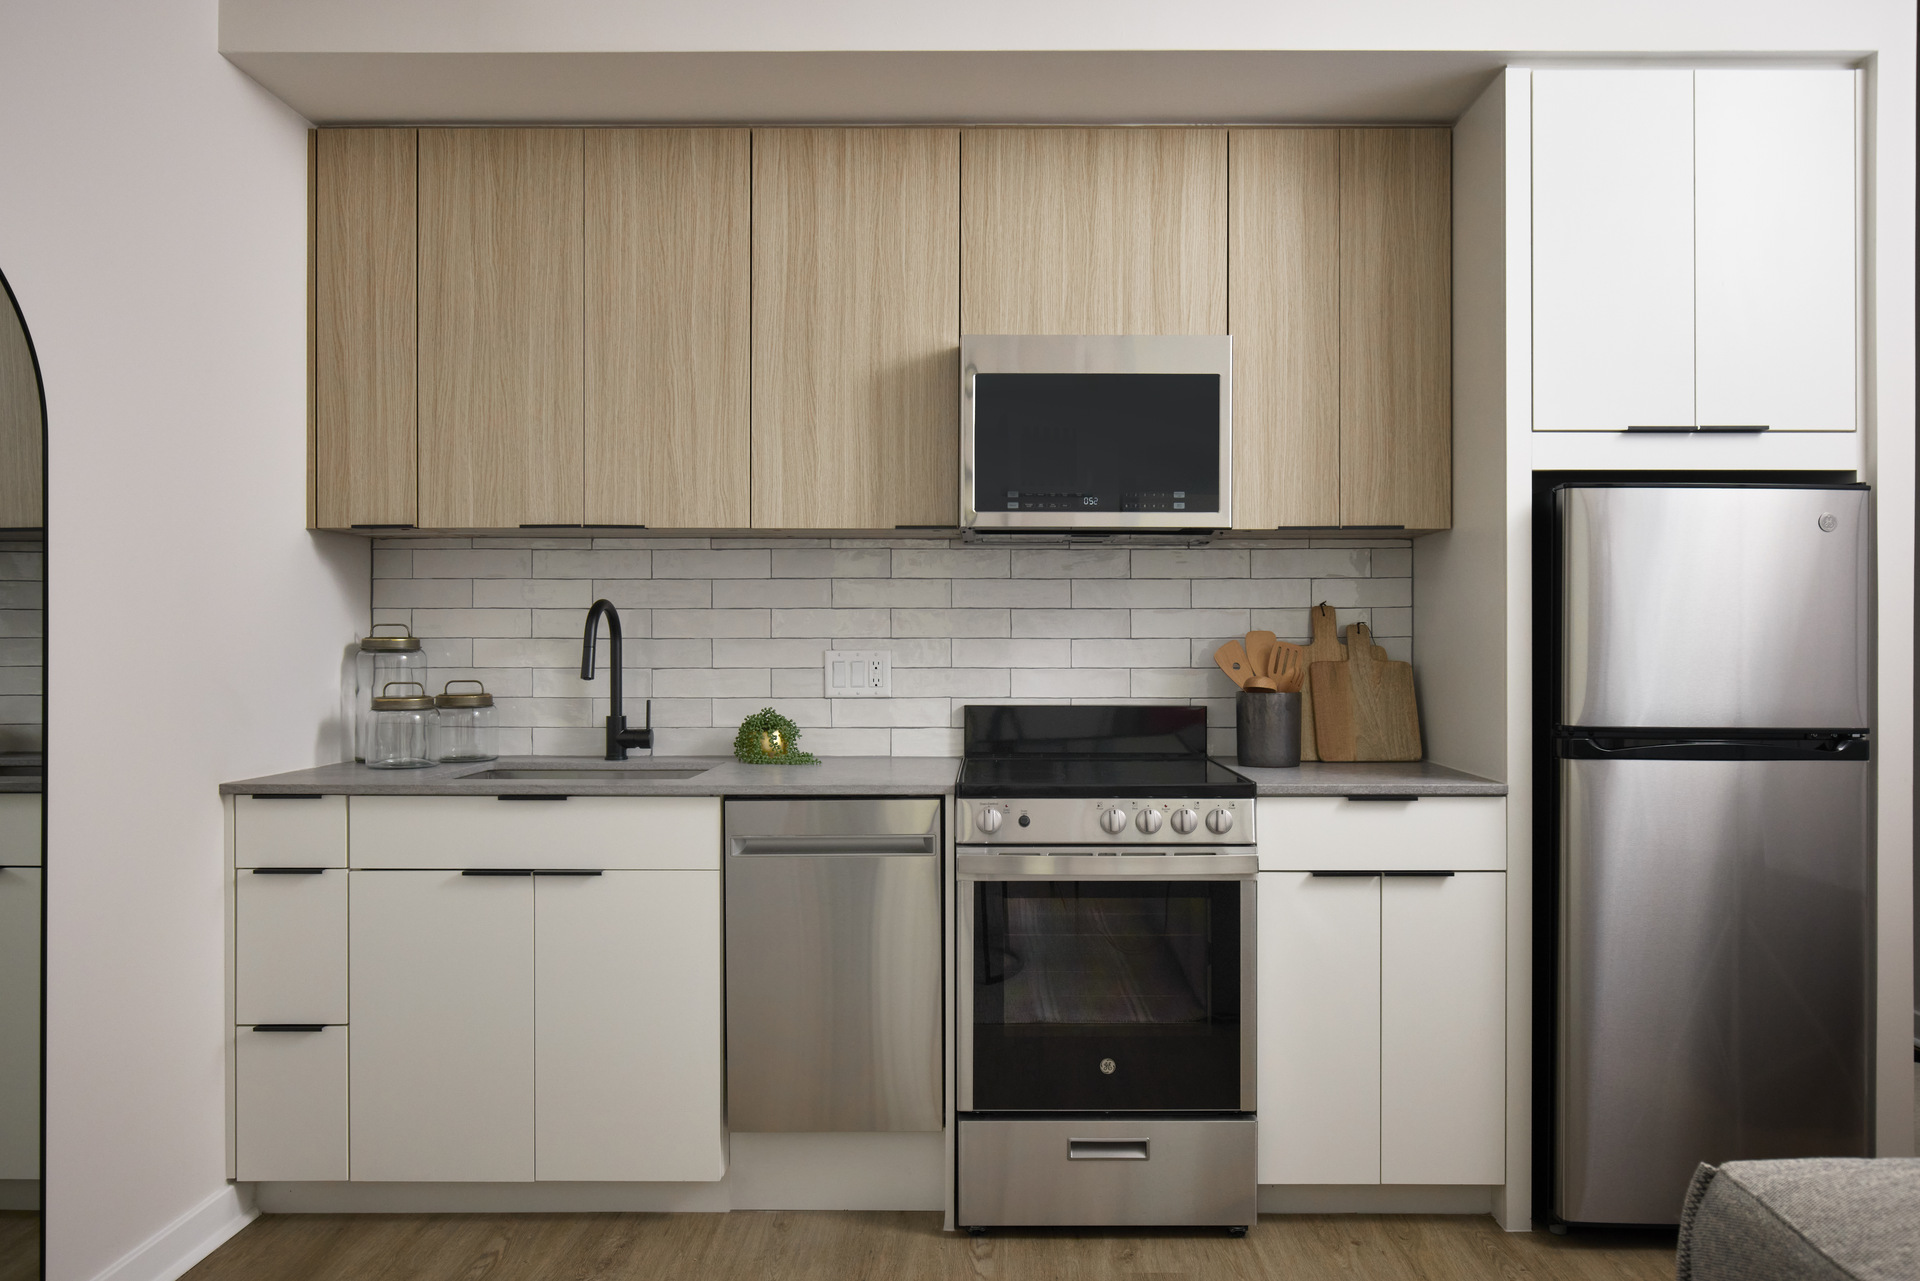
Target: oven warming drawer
{"type": "Point", "coordinates": [1107, 1173]}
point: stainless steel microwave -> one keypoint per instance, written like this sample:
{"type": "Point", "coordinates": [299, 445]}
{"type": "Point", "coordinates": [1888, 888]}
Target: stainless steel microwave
{"type": "Point", "coordinates": [1085, 432]}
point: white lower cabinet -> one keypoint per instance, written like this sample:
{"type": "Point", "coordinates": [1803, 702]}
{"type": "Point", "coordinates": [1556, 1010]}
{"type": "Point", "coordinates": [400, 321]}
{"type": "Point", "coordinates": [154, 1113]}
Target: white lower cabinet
{"type": "Point", "coordinates": [290, 1103]}
{"type": "Point", "coordinates": [627, 1027]}
{"type": "Point", "coordinates": [442, 1016]}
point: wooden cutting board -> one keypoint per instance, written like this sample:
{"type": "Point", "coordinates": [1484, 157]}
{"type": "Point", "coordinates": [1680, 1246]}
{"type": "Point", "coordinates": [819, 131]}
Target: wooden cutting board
{"type": "Point", "coordinates": [1325, 647]}
{"type": "Point", "coordinates": [1365, 705]}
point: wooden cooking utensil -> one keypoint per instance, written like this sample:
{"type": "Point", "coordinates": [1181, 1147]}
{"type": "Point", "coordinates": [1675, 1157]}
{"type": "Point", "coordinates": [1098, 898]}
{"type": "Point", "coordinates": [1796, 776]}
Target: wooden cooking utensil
{"type": "Point", "coordinates": [1290, 668]}
{"type": "Point", "coordinates": [1260, 651]}
{"type": "Point", "coordinates": [1262, 682]}
{"type": "Point", "coordinates": [1365, 706]}
{"type": "Point", "coordinates": [1232, 658]}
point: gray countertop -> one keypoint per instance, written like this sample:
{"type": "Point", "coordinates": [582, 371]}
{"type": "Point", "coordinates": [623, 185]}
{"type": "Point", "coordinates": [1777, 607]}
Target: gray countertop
{"type": "Point", "coordinates": [718, 776]}
{"type": "Point", "coordinates": [1369, 778]}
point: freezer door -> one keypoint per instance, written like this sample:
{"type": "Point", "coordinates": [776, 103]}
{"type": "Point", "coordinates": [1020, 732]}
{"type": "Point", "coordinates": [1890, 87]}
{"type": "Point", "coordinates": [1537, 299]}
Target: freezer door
{"type": "Point", "coordinates": [1726, 608]}
{"type": "Point", "coordinates": [1713, 991]}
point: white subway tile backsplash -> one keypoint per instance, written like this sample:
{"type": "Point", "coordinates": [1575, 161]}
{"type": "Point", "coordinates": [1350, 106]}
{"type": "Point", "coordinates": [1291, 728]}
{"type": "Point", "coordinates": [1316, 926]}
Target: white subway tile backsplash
{"type": "Point", "coordinates": [718, 628]}
{"type": "Point", "coordinates": [1018, 593]}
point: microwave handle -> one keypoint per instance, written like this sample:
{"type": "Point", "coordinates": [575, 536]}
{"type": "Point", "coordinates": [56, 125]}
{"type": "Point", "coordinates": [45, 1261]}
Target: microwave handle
{"type": "Point", "coordinates": [966, 381]}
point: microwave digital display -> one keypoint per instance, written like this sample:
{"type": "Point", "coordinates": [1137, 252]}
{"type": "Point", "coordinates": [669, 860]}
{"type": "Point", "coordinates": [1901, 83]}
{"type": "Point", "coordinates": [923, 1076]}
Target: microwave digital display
{"type": "Point", "coordinates": [1097, 442]}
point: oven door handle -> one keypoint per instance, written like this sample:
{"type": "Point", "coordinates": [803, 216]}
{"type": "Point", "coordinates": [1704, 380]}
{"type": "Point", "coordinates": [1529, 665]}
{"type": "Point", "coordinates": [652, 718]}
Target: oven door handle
{"type": "Point", "coordinates": [1105, 867]}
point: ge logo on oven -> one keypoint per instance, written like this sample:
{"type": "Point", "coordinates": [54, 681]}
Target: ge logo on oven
{"type": "Point", "coordinates": [1107, 1066]}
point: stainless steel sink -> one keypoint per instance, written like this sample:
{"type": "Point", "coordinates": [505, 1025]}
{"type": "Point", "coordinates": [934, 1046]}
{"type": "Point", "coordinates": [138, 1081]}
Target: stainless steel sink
{"type": "Point", "coordinates": [640, 771]}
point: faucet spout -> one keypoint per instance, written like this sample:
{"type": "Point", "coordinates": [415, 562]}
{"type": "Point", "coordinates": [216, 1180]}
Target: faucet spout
{"type": "Point", "coordinates": [619, 737]}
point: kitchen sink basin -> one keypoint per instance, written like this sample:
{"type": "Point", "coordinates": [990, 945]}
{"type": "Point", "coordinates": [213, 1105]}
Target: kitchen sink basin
{"type": "Point", "coordinates": [630, 771]}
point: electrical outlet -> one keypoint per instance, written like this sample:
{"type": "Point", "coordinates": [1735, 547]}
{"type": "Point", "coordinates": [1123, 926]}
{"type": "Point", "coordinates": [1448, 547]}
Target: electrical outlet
{"type": "Point", "coordinates": [858, 673]}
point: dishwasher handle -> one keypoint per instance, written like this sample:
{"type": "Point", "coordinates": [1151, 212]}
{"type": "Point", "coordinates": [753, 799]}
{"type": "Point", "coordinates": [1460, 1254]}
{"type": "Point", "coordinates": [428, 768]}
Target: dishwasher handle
{"type": "Point", "coordinates": [926, 844]}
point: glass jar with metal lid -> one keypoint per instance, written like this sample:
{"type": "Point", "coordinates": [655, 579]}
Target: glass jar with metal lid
{"type": "Point", "coordinates": [402, 736]}
{"type": "Point", "coordinates": [382, 660]}
{"type": "Point", "coordinates": [466, 730]}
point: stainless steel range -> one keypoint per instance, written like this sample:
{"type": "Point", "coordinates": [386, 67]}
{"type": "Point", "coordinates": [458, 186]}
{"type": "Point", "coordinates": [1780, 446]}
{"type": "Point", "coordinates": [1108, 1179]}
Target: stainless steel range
{"type": "Point", "coordinates": [1106, 957]}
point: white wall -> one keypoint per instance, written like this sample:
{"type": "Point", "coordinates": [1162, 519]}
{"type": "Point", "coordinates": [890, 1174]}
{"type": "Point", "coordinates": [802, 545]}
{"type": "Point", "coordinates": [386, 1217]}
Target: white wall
{"type": "Point", "coordinates": [152, 221]}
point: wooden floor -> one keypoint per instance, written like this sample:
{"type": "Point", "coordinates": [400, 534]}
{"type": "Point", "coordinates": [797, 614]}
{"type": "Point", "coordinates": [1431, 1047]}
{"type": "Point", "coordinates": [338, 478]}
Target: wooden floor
{"type": "Point", "coordinates": [820, 1246]}
{"type": "Point", "coordinates": [19, 1246]}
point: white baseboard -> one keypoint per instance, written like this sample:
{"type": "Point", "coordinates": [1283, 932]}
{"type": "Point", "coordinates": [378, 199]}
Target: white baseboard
{"type": "Point", "coordinates": [1375, 1198]}
{"type": "Point", "coordinates": [168, 1253]}
{"type": "Point", "coordinates": [764, 1172]}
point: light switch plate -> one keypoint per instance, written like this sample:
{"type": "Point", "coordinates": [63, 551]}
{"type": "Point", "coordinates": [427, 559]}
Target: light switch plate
{"type": "Point", "coordinates": [858, 673]}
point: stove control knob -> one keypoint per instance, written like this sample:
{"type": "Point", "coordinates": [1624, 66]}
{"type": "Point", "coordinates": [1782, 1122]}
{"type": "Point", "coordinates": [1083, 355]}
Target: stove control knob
{"type": "Point", "coordinates": [1185, 820]}
{"type": "Point", "coordinates": [1149, 821]}
{"type": "Point", "coordinates": [1220, 822]}
{"type": "Point", "coordinates": [988, 820]}
{"type": "Point", "coordinates": [1114, 820]}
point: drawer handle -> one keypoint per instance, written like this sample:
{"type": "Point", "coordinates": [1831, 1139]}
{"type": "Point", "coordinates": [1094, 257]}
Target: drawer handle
{"type": "Point", "coordinates": [529, 796]}
{"type": "Point", "coordinates": [1377, 796]}
{"type": "Point", "coordinates": [289, 1027]}
{"type": "Point", "coordinates": [1343, 873]}
{"type": "Point", "coordinates": [1734, 427]}
{"type": "Point", "coordinates": [568, 871]}
{"type": "Point", "coordinates": [286, 796]}
{"type": "Point", "coordinates": [1419, 873]}
{"type": "Point", "coordinates": [497, 871]}
{"type": "Point", "coordinates": [289, 871]}
{"type": "Point", "coordinates": [1107, 1150]}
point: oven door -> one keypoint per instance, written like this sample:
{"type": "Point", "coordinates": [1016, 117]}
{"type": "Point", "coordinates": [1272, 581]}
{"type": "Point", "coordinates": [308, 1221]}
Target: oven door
{"type": "Point", "coordinates": [1110, 983]}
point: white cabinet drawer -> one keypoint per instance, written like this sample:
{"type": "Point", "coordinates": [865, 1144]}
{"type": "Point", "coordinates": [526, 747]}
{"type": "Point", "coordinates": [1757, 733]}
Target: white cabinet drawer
{"type": "Point", "coordinates": [290, 1101]}
{"type": "Point", "coordinates": [290, 947]}
{"type": "Point", "coordinates": [20, 829]}
{"type": "Point", "coordinates": [290, 831]}
{"type": "Point", "coordinates": [1336, 833]}
{"type": "Point", "coordinates": [636, 833]}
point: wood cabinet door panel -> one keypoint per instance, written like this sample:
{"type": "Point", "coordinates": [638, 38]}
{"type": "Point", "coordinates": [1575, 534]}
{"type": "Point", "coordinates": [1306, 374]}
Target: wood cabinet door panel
{"type": "Point", "coordinates": [627, 1027]}
{"type": "Point", "coordinates": [856, 338]}
{"type": "Point", "coordinates": [1396, 349]}
{"type": "Point", "coordinates": [442, 1014]}
{"type": "Point", "coordinates": [1094, 231]}
{"type": "Point", "coordinates": [668, 326]}
{"type": "Point", "coordinates": [1443, 1029]}
{"type": "Point", "coordinates": [1777, 304]}
{"type": "Point", "coordinates": [1319, 1088]}
{"type": "Point", "coordinates": [1284, 314]}
{"type": "Point", "coordinates": [501, 281]}
{"type": "Point", "coordinates": [1613, 243]}
{"type": "Point", "coordinates": [365, 317]}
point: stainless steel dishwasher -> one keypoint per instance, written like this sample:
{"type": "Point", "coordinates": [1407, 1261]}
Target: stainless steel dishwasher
{"type": "Point", "coordinates": [833, 965]}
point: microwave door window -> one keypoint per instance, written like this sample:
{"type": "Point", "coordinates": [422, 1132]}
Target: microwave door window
{"type": "Point", "coordinates": [1097, 442]}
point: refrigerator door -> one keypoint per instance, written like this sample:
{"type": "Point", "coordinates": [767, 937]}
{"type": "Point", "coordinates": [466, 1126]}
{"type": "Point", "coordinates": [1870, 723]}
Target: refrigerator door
{"type": "Point", "coordinates": [1713, 974]}
{"type": "Point", "coordinates": [1723, 607]}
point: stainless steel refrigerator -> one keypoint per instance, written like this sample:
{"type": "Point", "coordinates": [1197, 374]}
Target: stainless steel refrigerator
{"type": "Point", "coordinates": [1712, 984]}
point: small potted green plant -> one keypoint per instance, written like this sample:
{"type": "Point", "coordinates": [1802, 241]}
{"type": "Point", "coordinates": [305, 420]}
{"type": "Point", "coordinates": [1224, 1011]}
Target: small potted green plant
{"type": "Point", "coordinates": [768, 738]}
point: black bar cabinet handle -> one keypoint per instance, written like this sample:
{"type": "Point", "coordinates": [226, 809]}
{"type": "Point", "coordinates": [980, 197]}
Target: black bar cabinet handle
{"type": "Point", "coordinates": [529, 796]}
{"type": "Point", "coordinates": [1382, 796]}
{"type": "Point", "coordinates": [497, 871]}
{"type": "Point", "coordinates": [288, 871]}
{"type": "Point", "coordinates": [286, 796]}
{"type": "Point", "coordinates": [1343, 874]}
{"type": "Point", "coordinates": [568, 871]}
{"type": "Point", "coordinates": [289, 1027]}
{"type": "Point", "coordinates": [1419, 873]}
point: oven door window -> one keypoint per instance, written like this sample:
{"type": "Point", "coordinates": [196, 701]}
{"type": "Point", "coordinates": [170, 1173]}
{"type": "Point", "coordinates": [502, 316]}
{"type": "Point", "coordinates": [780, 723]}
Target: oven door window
{"type": "Point", "coordinates": [1097, 442]}
{"type": "Point", "coordinates": [1106, 996]}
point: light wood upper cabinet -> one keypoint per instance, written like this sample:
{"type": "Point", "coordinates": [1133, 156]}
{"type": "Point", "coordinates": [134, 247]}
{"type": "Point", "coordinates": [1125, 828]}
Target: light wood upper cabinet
{"type": "Point", "coordinates": [856, 369]}
{"type": "Point", "coordinates": [366, 402]}
{"type": "Point", "coordinates": [1284, 313]}
{"type": "Point", "coordinates": [501, 277]}
{"type": "Point", "coordinates": [1094, 231]}
{"type": "Point", "coordinates": [1396, 349]}
{"type": "Point", "coordinates": [21, 467]}
{"type": "Point", "coordinates": [668, 327]}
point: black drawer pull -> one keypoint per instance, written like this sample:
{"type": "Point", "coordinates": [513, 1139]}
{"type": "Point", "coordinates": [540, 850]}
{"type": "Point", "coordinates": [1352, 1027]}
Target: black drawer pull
{"type": "Point", "coordinates": [286, 796]}
{"type": "Point", "coordinates": [288, 871]}
{"type": "Point", "coordinates": [289, 1027]}
{"type": "Point", "coordinates": [1419, 873]}
{"type": "Point", "coordinates": [529, 796]}
{"type": "Point", "coordinates": [1384, 796]}
{"type": "Point", "coordinates": [1343, 873]}
{"type": "Point", "coordinates": [497, 871]}
{"type": "Point", "coordinates": [568, 871]}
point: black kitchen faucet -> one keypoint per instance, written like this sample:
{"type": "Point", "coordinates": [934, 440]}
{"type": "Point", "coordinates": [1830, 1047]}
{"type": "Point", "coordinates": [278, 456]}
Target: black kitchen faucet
{"type": "Point", "coordinates": [619, 737]}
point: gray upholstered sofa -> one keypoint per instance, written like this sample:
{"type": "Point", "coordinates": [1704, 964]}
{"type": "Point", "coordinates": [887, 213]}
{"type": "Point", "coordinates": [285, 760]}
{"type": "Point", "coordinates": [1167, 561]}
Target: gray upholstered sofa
{"type": "Point", "coordinates": [1826, 1219]}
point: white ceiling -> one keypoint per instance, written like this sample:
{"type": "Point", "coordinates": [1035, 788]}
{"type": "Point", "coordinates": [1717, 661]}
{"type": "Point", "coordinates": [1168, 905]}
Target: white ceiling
{"type": "Point", "coordinates": [1161, 86]}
